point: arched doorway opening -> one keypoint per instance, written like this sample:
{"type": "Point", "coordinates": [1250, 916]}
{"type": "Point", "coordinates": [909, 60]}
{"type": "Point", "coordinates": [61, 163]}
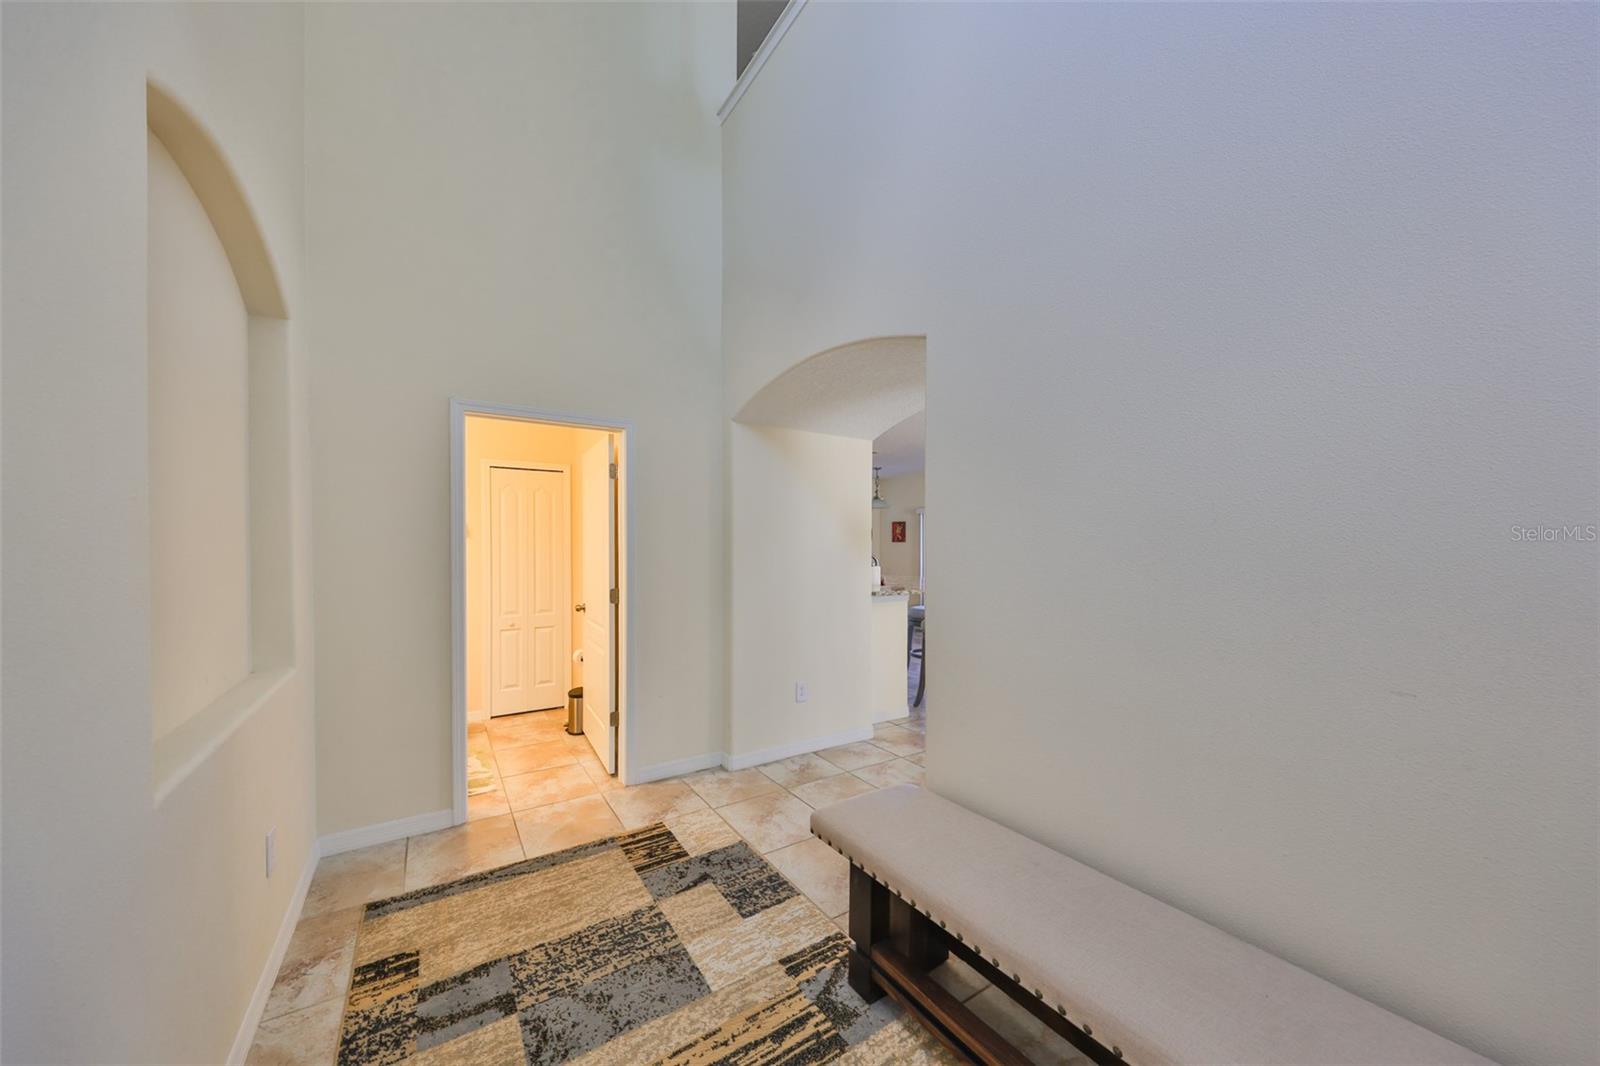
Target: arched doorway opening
{"type": "Point", "coordinates": [817, 654]}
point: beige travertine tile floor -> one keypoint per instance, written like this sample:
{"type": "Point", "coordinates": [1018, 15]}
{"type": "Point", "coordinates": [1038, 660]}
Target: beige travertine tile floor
{"type": "Point", "coordinates": [550, 792]}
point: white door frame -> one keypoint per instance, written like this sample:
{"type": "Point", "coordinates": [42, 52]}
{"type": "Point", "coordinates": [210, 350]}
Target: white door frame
{"type": "Point", "coordinates": [459, 410]}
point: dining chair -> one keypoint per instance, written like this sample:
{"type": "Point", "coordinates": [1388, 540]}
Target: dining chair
{"type": "Point", "coordinates": [916, 618]}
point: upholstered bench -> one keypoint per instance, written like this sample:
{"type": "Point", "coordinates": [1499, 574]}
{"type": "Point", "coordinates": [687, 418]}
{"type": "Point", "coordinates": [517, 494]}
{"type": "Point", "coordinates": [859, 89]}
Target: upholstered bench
{"type": "Point", "coordinates": [1118, 973]}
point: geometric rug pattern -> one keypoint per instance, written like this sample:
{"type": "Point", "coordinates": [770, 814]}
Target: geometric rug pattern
{"type": "Point", "coordinates": [634, 948]}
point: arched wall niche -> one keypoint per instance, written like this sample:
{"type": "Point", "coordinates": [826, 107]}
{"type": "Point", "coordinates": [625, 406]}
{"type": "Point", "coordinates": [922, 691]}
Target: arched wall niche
{"type": "Point", "coordinates": [212, 177]}
{"type": "Point", "coordinates": [244, 410]}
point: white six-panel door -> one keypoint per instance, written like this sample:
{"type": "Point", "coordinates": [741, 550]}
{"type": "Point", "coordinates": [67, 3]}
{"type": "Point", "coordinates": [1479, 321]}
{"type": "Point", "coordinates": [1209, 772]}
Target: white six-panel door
{"type": "Point", "coordinates": [530, 589]}
{"type": "Point", "coordinates": [599, 513]}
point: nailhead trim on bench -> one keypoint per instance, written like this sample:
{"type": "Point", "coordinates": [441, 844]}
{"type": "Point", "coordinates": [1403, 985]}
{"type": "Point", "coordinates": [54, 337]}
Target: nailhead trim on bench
{"type": "Point", "coordinates": [1061, 1008]}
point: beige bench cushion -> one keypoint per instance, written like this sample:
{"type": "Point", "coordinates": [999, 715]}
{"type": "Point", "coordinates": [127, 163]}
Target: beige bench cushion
{"type": "Point", "coordinates": [1156, 983]}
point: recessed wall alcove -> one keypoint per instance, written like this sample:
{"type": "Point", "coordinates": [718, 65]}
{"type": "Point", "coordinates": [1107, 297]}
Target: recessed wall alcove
{"type": "Point", "coordinates": [221, 594]}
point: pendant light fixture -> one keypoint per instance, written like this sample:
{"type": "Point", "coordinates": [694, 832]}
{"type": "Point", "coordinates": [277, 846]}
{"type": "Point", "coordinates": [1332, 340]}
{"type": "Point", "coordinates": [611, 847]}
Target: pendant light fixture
{"type": "Point", "coordinates": [878, 502]}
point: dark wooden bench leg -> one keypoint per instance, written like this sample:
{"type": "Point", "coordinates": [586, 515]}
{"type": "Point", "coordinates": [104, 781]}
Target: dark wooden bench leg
{"type": "Point", "coordinates": [916, 936]}
{"type": "Point", "coordinates": [869, 924]}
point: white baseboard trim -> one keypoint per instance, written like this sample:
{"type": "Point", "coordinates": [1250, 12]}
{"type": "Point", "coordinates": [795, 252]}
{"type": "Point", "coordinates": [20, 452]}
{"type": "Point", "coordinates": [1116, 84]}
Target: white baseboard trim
{"type": "Point", "coordinates": [367, 835]}
{"type": "Point", "coordinates": [329, 844]}
{"type": "Point", "coordinates": [675, 768]}
{"type": "Point", "coordinates": [246, 1036]}
{"type": "Point", "coordinates": [799, 747]}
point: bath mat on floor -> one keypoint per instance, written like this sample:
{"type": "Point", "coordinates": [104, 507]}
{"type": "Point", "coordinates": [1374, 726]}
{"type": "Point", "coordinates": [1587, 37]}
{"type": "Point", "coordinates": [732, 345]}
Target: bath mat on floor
{"type": "Point", "coordinates": [630, 949]}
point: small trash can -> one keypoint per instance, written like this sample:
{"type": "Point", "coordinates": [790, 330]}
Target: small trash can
{"type": "Point", "coordinates": [575, 710]}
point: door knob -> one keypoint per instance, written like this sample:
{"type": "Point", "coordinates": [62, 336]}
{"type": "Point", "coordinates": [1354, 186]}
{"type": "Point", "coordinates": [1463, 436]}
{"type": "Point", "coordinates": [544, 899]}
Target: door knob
{"type": "Point", "coordinates": [580, 607]}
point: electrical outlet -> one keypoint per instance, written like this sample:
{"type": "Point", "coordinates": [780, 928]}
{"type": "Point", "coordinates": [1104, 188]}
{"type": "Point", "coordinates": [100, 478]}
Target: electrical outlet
{"type": "Point", "coordinates": [799, 691]}
{"type": "Point", "coordinates": [272, 849]}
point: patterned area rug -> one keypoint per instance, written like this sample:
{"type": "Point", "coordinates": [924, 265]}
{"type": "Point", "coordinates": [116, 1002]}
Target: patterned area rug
{"type": "Point", "coordinates": [636, 948]}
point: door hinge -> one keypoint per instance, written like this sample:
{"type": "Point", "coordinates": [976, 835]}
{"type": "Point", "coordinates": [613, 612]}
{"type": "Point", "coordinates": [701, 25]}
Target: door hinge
{"type": "Point", "coordinates": [613, 718]}
{"type": "Point", "coordinates": [613, 595]}
{"type": "Point", "coordinates": [613, 471]}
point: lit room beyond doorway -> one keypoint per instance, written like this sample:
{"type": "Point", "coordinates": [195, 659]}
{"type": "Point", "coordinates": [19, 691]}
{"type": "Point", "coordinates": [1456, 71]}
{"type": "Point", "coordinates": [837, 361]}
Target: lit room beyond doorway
{"type": "Point", "coordinates": [542, 599]}
{"type": "Point", "coordinates": [899, 576]}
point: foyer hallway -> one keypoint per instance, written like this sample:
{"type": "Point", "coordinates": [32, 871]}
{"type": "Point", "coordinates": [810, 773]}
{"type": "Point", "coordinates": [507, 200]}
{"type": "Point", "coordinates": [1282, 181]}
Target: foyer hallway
{"type": "Point", "coordinates": [550, 793]}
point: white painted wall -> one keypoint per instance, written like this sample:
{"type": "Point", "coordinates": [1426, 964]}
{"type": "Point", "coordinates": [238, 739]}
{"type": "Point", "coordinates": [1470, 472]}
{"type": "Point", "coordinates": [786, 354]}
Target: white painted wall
{"type": "Point", "coordinates": [801, 588]}
{"type": "Point", "coordinates": [199, 463]}
{"type": "Point", "coordinates": [517, 204]}
{"type": "Point", "coordinates": [133, 931]}
{"type": "Point", "coordinates": [1264, 324]}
